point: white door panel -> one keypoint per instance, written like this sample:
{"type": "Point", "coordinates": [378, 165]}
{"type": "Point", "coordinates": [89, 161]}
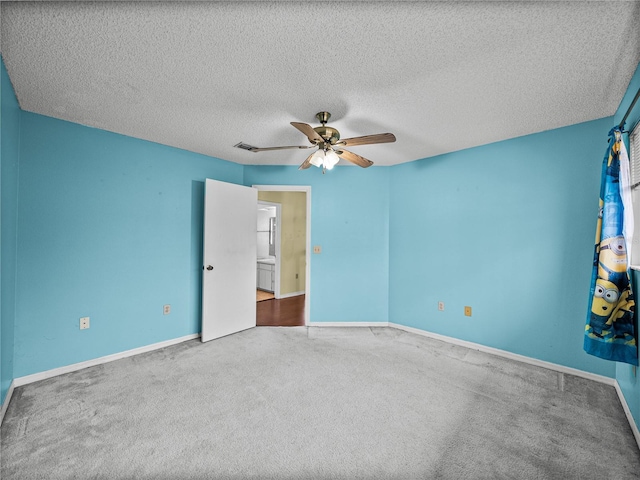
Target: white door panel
{"type": "Point", "coordinates": [229, 274]}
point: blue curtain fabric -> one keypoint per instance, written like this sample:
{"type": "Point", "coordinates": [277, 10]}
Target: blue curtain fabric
{"type": "Point", "coordinates": [610, 332]}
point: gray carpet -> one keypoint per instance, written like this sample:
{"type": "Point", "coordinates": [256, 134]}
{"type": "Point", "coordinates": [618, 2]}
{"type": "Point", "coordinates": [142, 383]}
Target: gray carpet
{"type": "Point", "coordinates": [317, 403]}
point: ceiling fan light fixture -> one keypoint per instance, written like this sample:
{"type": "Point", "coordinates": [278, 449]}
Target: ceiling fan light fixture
{"type": "Point", "coordinates": [330, 159]}
{"type": "Point", "coordinates": [317, 159]}
{"type": "Point", "coordinates": [325, 159]}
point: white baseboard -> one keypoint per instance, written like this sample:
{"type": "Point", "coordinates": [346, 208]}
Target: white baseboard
{"type": "Point", "coordinates": [292, 294]}
{"type": "Point", "coordinates": [99, 361]}
{"type": "Point", "coordinates": [7, 399]}
{"type": "Point", "coordinates": [512, 356]}
{"type": "Point", "coordinates": [347, 324]}
{"type": "Point", "coordinates": [627, 412]}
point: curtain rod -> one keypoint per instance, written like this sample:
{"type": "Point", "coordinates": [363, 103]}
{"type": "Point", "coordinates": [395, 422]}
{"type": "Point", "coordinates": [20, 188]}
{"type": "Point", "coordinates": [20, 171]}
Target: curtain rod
{"type": "Point", "coordinates": [624, 119]}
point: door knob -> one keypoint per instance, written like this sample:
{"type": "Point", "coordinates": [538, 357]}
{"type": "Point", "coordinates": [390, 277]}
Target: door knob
{"type": "Point", "coordinates": [209, 267]}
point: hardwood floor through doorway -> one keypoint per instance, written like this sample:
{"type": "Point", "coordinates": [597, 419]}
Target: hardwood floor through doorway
{"type": "Point", "coordinates": [262, 295]}
{"type": "Point", "coordinates": [287, 312]}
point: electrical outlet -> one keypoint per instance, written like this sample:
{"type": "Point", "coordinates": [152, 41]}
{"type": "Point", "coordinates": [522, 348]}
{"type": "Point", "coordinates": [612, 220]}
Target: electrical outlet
{"type": "Point", "coordinates": [84, 323]}
{"type": "Point", "coordinates": [441, 306]}
{"type": "Point", "coordinates": [467, 311]}
{"type": "Point", "coordinates": [166, 310]}
{"type": "Point", "coordinates": [317, 249]}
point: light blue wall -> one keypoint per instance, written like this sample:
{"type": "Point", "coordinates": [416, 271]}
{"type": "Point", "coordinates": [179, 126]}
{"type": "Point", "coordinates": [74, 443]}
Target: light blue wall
{"type": "Point", "coordinates": [507, 229]}
{"type": "Point", "coordinates": [10, 144]}
{"type": "Point", "coordinates": [627, 375]}
{"type": "Point", "coordinates": [109, 227]}
{"type": "Point", "coordinates": [349, 220]}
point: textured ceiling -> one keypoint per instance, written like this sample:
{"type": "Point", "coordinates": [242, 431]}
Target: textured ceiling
{"type": "Point", "coordinates": [441, 76]}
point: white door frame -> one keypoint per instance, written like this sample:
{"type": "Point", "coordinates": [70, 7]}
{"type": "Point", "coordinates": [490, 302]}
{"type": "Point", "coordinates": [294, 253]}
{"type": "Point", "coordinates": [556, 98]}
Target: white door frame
{"type": "Point", "coordinates": [307, 275]}
{"type": "Point", "coordinates": [276, 290]}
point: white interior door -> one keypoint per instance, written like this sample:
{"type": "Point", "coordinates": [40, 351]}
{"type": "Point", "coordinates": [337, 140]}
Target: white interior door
{"type": "Point", "coordinates": [229, 274]}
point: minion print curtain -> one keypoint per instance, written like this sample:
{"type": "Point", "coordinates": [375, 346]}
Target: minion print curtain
{"type": "Point", "coordinates": [610, 331]}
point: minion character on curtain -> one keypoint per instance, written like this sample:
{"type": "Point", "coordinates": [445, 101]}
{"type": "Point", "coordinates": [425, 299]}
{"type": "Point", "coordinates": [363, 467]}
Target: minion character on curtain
{"type": "Point", "coordinates": [610, 331]}
{"type": "Point", "coordinates": [612, 261]}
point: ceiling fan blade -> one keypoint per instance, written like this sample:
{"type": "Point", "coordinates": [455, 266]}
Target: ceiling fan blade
{"type": "Point", "coordinates": [368, 139]}
{"type": "Point", "coordinates": [353, 158]}
{"type": "Point", "coordinates": [265, 149]}
{"type": "Point", "coordinates": [307, 163]}
{"type": "Point", "coordinates": [251, 148]}
{"type": "Point", "coordinates": [308, 130]}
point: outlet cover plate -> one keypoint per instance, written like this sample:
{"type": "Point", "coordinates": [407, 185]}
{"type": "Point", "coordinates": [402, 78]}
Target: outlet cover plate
{"type": "Point", "coordinates": [166, 310]}
{"type": "Point", "coordinates": [84, 323]}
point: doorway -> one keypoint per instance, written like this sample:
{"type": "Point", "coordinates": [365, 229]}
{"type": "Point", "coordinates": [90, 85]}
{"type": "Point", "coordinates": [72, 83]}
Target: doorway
{"type": "Point", "coordinates": [291, 305]}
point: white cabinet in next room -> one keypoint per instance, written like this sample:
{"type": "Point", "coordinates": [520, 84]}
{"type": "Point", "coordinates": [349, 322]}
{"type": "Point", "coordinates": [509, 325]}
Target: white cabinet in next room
{"type": "Point", "coordinates": [266, 277]}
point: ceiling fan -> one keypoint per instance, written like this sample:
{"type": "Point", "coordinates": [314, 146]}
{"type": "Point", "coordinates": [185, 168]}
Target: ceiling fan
{"type": "Point", "coordinates": [330, 146]}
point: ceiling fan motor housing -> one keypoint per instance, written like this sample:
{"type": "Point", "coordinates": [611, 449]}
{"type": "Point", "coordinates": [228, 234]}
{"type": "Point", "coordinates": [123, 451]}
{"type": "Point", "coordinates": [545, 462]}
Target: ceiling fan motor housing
{"type": "Point", "coordinates": [330, 135]}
